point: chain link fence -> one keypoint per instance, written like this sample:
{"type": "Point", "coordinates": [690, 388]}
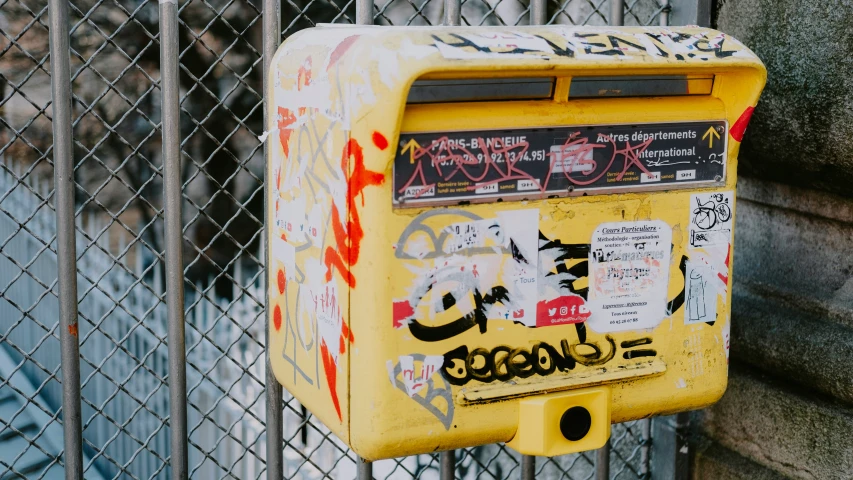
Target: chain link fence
{"type": "Point", "coordinates": [116, 146]}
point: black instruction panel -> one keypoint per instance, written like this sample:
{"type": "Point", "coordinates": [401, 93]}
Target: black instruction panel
{"type": "Point", "coordinates": [446, 167]}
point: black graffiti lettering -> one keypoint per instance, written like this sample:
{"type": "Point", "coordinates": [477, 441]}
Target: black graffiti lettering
{"type": "Point", "coordinates": [658, 44]}
{"type": "Point", "coordinates": [504, 363]}
{"type": "Point", "coordinates": [589, 45]}
{"type": "Point", "coordinates": [634, 343]}
{"type": "Point", "coordinates": [477, 317]}
{"type": "Point", "coordinates": [643, 352]}
{"type": "Point", "coordinates": [616, 43]}
{"type": "Point", "coordinates": [678, 301]}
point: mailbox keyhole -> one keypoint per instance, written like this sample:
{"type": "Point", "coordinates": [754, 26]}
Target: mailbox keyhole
{"type": "Point", "coordinates": [575, 423]}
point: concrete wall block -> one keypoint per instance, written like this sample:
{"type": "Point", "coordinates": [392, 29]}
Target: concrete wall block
{"type": "Point", "coordinates": [796, 244]}
{"type": "Point", "coordinates": [773, 335]}
{"type": "Point", "coordinates": [792, 432]}
{"type": "Point", "coordinates": [714, 462]}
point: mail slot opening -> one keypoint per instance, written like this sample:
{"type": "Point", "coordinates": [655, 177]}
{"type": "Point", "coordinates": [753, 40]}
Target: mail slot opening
{"type": "Point", "coordinates": [480, 89]}
{"type": "Point", "coordinates": [641, 86]}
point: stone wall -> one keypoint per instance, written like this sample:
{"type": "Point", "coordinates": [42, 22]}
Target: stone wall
{"type": "Point", "coordinates": [788, 411]}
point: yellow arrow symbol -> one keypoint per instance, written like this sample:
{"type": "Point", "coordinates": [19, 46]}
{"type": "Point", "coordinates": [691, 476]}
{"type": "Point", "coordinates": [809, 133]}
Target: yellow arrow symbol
{"type": "Point", "coordinates": [710, 134]}
{"type": "Point", "coordinates": [410, 147]}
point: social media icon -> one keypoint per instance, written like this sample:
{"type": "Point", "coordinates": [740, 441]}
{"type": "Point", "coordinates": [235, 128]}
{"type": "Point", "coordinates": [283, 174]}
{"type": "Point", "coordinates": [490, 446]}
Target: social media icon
{"type": "Point", "coordinates": [551, 312]}
{"type": "Point", "coordinates": [518, 313]}
{"type": "Point", "coordinates": [564, 310]}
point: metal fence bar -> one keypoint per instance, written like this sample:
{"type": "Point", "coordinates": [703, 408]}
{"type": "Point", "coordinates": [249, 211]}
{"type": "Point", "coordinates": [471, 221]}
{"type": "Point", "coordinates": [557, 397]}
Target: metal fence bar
{"type": "Point", "coordinates": [538, 12]}
{"type": "Point", "coordinates": [617, 13]}
{"type": "Point", "coordinates": [447, 462]}
{"type": "Point", "coordinates": [453, 12]}
{"type": "Point", "coordinates": [602, 462]}
{"type": "Point", "coordinates": [171, 131]}
{"type": "Point", "coordinates": [364, 16]}
{"type": "Point", "coordinates": [66, 251]}
{"type": "Point", "coordinates": [274, 391]}
{"type": "Point", "coordinates": [645, 448]}
{"type": "Point", "coordinates": [528, 467]}
{"type": "Point", "coordinates": [602, 455]}
{"type": "Point", "coordinates": [364, 12]}
{"type": "Point", "coordinates": [365, 469]}
{"type": "Point", "coordinates": [664, 13]}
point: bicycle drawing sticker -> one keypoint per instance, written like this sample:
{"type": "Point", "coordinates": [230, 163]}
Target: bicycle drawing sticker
{"type": "Point", "coordinates": [711, 219]}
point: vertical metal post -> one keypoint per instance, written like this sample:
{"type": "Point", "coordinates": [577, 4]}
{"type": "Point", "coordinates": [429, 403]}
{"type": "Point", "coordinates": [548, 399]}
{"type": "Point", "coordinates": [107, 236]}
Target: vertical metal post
{"type": "Point", "coordinates": [602, 462]}
{"type": "Point", "coordinates": [528, 467]}
{"type": "Point", "coordinates": [364, 12]}
{"type": "Point", "coordinates": [364, 470]}
{"type": "Point", "coordinates": [453, 12]}
{"type": "Point", "coordinates": [66, 249]}
{"type": "Point", "coordinates": [171, 131]}
{"type": "Point", "coordinates": [274, 393]}
{"type": "Point", "coordinates": [682, 446]}
{"type": "Point", "coordinates": [538, 12]}
{"type": "Point", "coordinates": [364, 16]}
{"type": "Point", "coordinates": [447, 462]}
{"type": "Point", "coordinates": [617, 13]}
{"type": "Point", "coordinates": [645, 448]}
{"type": "Point", "coordinates": [664, 13]}
{"type": "Point", "coordinates": [670, 451]}
{"type": "Point", "coordinates": [538, 16]}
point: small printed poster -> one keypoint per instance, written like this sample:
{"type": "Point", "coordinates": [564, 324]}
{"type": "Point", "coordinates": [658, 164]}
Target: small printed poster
{"type": "Point", "coordinates": [629, 275]}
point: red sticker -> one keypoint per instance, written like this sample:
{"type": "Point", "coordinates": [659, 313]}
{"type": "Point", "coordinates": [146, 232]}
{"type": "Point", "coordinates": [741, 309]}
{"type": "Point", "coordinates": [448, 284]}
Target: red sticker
{"type": "Point", "coordinates": [739, 128]}
{"type": "Point", "coordinates": [402, 310]}
{"type": "Point", "coordinates": [561, 311]}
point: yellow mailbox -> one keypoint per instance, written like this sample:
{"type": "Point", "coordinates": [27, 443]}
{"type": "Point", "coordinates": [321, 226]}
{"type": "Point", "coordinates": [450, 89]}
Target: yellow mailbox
{"type": "Point", "coordinates": [514, 235]}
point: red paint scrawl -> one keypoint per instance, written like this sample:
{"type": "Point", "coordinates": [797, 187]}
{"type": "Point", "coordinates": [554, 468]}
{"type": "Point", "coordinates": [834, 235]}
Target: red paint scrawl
{"type": "Point", "coordinates": [282, 281]}
{"type": "Point", "coordinates": [561, 311]}
{"type": "Point", "coordinates": [339, 51]}
{"type": "Point", "coordinates": [739, 128]}
{"type": "Point", "coordinates": [348, 239]}
{"type": "Point", "coordinates": [380, 141]}
{"type": "Point", "coordinates": [331, 368]}
{"type": "Point", "coordinates": [287, 118]}
{"type": "Point", "coordinates": [345, 253]}
{"type": "Point", "coordinates": [276, 318]}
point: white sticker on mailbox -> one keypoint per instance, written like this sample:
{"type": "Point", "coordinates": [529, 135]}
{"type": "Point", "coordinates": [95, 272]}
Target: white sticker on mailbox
{"type": "Point", "coordinates": [701, 302]}
{"type": "Point", "coordinates": [711, 219]}
{"type": "Point", "coordinates": [629, 275]}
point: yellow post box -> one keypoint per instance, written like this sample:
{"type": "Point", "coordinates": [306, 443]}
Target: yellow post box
{"type": "Point", "coordinates": [514, 235]}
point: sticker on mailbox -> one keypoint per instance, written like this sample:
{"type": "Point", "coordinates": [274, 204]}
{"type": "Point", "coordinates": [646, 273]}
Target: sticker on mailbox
{"type": "Point", "coordinates": [444, 167]}
{"type": "Point", "coordinates": [629, 275]}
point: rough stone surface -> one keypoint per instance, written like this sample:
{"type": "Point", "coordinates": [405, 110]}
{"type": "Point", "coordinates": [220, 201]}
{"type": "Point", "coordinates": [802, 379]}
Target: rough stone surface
{"type": "Point", "coordinates": [799, 255]}
{"type": "Point", "coordinates": [773, 335]}
{"type": "Point", "coordinates": [802, 130]}
{"type": "Point", "coordinates": [715, 462]}
{"type": "Point", "coordinates": [791, 432]}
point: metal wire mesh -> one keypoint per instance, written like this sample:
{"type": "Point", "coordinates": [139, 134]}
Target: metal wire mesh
{"type": "Point", "coordinates": [119, 237]}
